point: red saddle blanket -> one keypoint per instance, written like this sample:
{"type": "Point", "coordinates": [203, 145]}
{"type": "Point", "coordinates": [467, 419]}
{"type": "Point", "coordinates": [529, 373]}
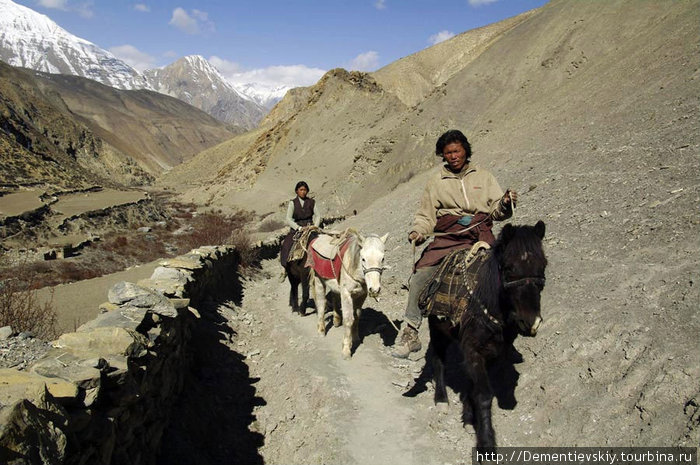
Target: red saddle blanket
{"type": "Point", "coordinates": [324, 267]}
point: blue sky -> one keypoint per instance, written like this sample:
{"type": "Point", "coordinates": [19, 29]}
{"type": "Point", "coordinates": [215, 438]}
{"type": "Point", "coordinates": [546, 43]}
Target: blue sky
{"type": "Point", "coordinates": [286, 42]}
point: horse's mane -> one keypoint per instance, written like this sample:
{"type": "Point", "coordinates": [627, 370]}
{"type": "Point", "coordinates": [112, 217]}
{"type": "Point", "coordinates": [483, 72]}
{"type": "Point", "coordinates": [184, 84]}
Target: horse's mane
{"type": "Point", "coordinates": [352, 254]}
{"type": "Point", "coordinates": [486, 291]}
{"type": "Point", "coordinates": [526, 240]}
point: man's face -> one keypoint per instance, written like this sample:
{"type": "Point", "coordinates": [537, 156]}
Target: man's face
{"type": "Point", "coordinates": [455, 156]}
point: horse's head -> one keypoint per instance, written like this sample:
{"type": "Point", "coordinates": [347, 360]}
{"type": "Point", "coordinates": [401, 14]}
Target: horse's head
{"type": "Point", "coordinates": [372, 261]}
{"type": "Point", "coordinates": [522, 271]}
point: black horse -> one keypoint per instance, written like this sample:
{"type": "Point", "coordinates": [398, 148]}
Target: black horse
{"type": "Point", "coordinates": [505, 302]}
{"type": "Point", "coordinates": [298, 273]}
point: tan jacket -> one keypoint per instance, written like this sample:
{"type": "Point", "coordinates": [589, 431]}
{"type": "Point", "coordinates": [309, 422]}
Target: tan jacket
{"type": "Point", "coordinates": [470, 191]}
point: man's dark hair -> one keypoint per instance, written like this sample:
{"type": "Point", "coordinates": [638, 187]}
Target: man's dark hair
{"type": "Point", "coordinates": [453, 135]}
{"type": "Point", "coordinates": [301, 184]}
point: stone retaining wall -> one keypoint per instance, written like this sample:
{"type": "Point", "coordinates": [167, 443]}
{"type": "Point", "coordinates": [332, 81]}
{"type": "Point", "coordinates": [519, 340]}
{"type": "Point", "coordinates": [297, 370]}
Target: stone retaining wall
{"type": "Point", "coordinates": [102, 394]}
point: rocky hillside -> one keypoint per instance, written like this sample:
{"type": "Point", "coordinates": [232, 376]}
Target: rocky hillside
{"type": "Point", "coordinates": [73, 131]}
{"type": "Point", "coordinates": [590, 110]}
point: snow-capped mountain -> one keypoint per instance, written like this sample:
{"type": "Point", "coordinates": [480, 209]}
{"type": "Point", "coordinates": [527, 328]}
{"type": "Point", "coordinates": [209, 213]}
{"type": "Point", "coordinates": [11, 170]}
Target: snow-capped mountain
{"type": "Point", "coordinates": [31, 40]}
{"type": "Point", "coordinates": [194, 80]}
{"type": "Point", "coordinates": [265, 95]}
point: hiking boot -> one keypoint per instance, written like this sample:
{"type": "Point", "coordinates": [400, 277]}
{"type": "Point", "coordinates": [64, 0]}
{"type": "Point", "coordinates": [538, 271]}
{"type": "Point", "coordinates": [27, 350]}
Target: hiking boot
{"type": "Point", "coordinates": [408, 342]}
{"type": "Point", "coordinates": [283, 276]}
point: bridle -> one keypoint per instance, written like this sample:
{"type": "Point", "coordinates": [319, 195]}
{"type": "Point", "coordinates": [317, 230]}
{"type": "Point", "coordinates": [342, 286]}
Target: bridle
{"type": "Point", "coordinates": [378, 269]}
{"type": "Point", "coordinates": [523, 282]}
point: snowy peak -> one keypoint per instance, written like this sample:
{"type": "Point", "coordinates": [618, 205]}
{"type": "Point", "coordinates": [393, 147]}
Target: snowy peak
{"type": "Point", "coordinates": [194, 68]}
{"type": "Point", "coordinates": [31, 40]}
{"type": "Point", "coordinates": [194, 80]}
{"type": "Point", "coordinates": [265, 95]}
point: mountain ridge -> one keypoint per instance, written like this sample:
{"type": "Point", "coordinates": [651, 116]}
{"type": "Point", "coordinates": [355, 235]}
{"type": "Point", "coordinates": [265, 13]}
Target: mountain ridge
{"type": "Point", "coordinates": [77, 131]}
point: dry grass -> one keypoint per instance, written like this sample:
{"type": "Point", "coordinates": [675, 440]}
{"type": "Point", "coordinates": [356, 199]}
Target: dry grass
{"type": "Point", "coordinates": [20, 308]}
{"type": "Point", "coordinates": [271, 225]}
{"type": "Point", "coordinates": [215, 228]}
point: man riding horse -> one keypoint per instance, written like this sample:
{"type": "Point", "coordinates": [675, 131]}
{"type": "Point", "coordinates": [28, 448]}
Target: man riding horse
{"type": "Point", "coordinates": [458, 206]}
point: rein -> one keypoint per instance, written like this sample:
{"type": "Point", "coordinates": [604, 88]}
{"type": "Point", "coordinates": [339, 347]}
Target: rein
{"type": "Point", "coordinates": [461, 231]}
{"type": "Point", "coordinates": [523, 282]}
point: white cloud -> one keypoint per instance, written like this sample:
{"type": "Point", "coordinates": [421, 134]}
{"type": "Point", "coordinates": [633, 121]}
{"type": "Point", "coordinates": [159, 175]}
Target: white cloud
{"type": "Point", "coordinates": [142, 7]}
{"type": "Point", "coordinates": [84, 9]}
{"type": "Point", "coordinates": [368, 61]}
{"type": "Point", "coordinates": [200, 15]}
{"type": "Point", "coordinates": [225, 67]}
{"type": "Point", "coordinates": [56, 4]}
{"type": "Point", "coordinates": [134, 57]}
{"type": "Point", "coordinates": [380, 4]}
{"type": "Point", "coordinates": [480, 2]}
{"type": "Point", "coordinates": [170, 54]}
{"type": "Point", "coordinates": [272, 76]}
{"type": "Point", "coordinates": [194, 22]}
{"type": "Point", "coordinates": [440, 37]}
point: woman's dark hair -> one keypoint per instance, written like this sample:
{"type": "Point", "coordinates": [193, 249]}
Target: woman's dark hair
{"type": "Point", "coordinates": [451, 136]}
{"type": "Point", "coordinates": [301, 184]}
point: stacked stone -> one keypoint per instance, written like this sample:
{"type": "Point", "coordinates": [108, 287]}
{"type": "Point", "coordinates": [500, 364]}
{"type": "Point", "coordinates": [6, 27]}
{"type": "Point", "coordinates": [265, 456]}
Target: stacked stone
{"type": "Point", "coordinates": [102, 394]}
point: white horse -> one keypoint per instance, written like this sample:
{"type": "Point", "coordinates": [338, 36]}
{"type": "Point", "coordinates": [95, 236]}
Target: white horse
{"type": "Point", "coordinates": [360, 275]}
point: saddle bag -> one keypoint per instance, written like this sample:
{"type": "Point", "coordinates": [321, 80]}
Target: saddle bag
{"type": "Point", "coordinates": [448, 291]}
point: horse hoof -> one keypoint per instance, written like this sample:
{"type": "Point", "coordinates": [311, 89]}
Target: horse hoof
{"type": "Point", "coordinates": [442, 408]}
{"type": "Point", "coordinates": [346, 356]}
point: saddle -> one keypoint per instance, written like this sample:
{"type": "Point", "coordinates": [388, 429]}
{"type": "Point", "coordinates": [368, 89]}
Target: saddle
{"type": "Point", "coordinates": [326, 254]}
{"type": "Point", "coordinates": [301, 242]}
{"type": "Point", "coordinates": [326, 246]}
{"type": "Point", "coordinates": [448, 291]}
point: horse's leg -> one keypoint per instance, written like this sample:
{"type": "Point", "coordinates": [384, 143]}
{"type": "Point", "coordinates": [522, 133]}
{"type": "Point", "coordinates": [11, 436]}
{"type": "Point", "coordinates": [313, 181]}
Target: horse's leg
{"type": "Point", "coordinates": [482, 397]}
{"type": "Point", "coordinates": [304, 290]}
{"type": "Point", "coordinates": [357, 302]}
{"type": "Point", "coordinates": [294, 289]}
{"type": "Point", "coordinates": [440, 341]}
{"type": "Point", "coordinates": [319, 291]}
{"type": "Point", "coordinates": [335, 306]}
{"type": "Point", "coordinates": [346, 306]}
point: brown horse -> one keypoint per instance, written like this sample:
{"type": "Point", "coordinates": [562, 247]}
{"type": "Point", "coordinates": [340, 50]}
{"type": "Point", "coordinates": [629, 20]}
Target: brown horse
{"type": "Point", "coordinates": [505, 302]}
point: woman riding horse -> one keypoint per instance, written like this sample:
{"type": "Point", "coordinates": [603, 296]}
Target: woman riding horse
{"type": "Point", "coordinates": [301, 212]}
{"type": "Point", "coordinates": [462, 200]}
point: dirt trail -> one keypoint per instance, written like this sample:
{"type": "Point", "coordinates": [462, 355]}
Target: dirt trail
{"type": "Point", "coordinates": [320, 408]}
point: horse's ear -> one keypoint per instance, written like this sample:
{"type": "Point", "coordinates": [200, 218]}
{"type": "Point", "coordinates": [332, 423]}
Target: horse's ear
{"type": "Point", "coordinates": [384, 238]}
{"type": "Point", "coordinates": [507, 232]}
{"type": "Point", "coordinates": [539, 229]}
